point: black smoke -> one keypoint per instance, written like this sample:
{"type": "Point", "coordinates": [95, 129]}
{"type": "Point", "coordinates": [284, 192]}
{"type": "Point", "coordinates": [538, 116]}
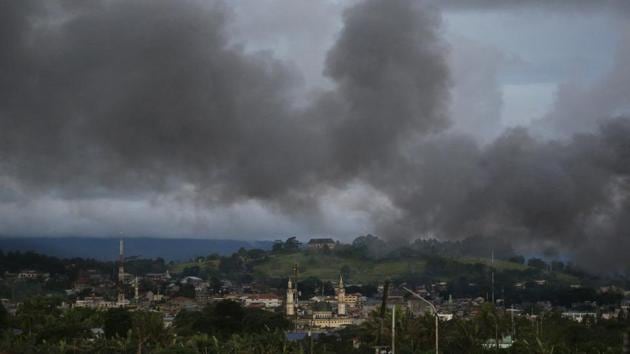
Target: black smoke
{"type": "Point", "coordinates": [128, 99]}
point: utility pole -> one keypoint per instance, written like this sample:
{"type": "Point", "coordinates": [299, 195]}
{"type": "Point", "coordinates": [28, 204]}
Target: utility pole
{"type": "Point", "coordinates": [435, 312]}
{"type": "Point", "coordinates": [496, 331]}
{"type": "Point", "coordinates": [394, 330]}
{"type": "Point", "coordinates": [297, 291]}
{"type": "Point", "coordinates": [310, 337]}
{"type": "Point", "coordinates": [383, 310]}
{"type": "Point", "coordinates": [492, 265]}
{"type": "Point", "coordinates": [512, 316]}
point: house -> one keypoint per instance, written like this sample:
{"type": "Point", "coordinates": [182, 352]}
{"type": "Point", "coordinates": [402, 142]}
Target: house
{"type": "Point", "coordinates": [503, 343]}
{"type": "Point", "coordinates": [323, 317]}
{"type": "Point", "coordinates": [183, 303]}
{"type": "Point", "coordinates": [579, 316]}
{"type": "Point", "coordinates": [267, 300]}
{"type": "Point", "coordinates": [445, 316]}
{"type": "Point", "coordinates": [32, 274]}
{"type": "Point", "coordinates": [97, 303]}
{"type": "Point", "coordinates": [318, 244]}
{"type": "Point", "coordinates": [158, 277]}
{"type": "Point", "coordinates": [519, 285]}
{"type": "Point", "coordinates": [195, 281]}
{"type": "Point", "coordinates": [353, 299]}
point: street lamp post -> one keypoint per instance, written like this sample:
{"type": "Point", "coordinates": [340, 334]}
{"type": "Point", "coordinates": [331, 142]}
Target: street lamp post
{"type": "Point", "coordinates": [437, 337]}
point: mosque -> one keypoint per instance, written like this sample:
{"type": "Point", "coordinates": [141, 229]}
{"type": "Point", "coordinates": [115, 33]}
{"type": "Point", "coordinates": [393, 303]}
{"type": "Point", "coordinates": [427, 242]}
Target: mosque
{"type": "Point", "coordinates": [318, 314]}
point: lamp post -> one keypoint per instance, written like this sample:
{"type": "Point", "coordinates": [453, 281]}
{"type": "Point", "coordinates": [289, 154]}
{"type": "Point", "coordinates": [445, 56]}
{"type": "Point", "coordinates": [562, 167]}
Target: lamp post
{"type": "Point", "coordinates": [394, 329]}
{"type": "Point", "coordinates": [434, 312]}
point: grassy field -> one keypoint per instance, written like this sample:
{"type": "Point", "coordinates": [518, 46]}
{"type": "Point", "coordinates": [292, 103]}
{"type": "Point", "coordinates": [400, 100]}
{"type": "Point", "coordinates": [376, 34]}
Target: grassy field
{"type": "Point", "coordinates": [328, 267]}
{"type": "Point", "coordinates": [505, 265]}
{"type": "Point", "coordinates": [178, 267]}
{"type": "Point", "coordinates": [498, 264]}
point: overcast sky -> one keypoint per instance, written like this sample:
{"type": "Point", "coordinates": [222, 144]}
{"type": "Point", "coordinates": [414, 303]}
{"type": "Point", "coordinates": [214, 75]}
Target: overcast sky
{"type": "Point", "coordinates": [263, 119]}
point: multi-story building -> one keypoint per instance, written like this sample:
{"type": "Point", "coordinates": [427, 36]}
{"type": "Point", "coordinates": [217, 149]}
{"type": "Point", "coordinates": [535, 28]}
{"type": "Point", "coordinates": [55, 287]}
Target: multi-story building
{"type": "Point", "coordinates": [266, 300]}
{"type": "Point", "coordinates": [320, 314]}
{"type": "Point", "coordinates": [97, 303]}
{"type": "Point", "coordinates": [318, 244]}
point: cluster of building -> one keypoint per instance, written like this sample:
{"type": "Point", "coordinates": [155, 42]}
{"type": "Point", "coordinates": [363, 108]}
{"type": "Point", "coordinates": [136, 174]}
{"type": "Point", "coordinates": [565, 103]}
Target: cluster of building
{"type": "Point", "coordinates": [324, 311]}
{"type": "Point", "coordinates": [318, 313]}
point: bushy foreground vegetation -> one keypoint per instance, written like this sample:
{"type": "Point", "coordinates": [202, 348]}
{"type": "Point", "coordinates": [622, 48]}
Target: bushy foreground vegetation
{"type": "Point", "coordinates": [39, 326]}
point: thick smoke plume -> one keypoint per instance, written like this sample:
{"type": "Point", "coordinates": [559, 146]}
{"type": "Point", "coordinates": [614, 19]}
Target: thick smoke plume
{"type": "Point", "coordinates": [132, 99]}
{"type": "Point", "coordinates": [575, 6]}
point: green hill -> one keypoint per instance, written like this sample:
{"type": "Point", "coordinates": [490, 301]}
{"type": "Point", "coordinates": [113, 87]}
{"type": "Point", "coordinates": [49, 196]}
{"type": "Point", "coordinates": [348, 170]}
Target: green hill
{"type": "Point", "coordinates": [328, 267]}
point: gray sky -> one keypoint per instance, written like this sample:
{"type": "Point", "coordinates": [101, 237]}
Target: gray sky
{"type": "Point", "coordinates": [262, 119]}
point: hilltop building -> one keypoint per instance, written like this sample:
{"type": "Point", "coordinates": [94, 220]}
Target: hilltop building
{"type": "Point", "coordinates": [318, 244]}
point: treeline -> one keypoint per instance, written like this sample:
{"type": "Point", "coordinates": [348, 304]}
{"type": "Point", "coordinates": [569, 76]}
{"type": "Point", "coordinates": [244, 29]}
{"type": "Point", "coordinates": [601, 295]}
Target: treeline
{"type": "Point", "coordinates": [16, 261]}
{"type": "Point", "coordinates": [373, 247]}
{"type": "Point", "coordinates": [40, 326]}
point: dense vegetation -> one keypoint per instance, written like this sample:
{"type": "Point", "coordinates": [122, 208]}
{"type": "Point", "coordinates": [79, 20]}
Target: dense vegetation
{"type": "Point", "coordinates": [40, 327]}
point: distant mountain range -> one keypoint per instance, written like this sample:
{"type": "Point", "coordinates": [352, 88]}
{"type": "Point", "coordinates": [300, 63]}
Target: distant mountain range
{"type": "Point", "coordinates": [144, 247]}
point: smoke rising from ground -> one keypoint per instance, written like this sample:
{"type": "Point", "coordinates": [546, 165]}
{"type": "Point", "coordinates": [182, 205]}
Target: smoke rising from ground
{"type": "Point", "coordinates": [151, 100]}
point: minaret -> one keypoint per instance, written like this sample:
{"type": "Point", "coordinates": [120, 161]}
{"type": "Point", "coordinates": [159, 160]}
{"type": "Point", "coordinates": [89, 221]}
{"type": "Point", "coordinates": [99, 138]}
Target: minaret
{"type": "Point", "coordinates": [341, 298]}
{"type": "Point", "coordinates": [121, 273]}
{"type": "Point", "coordinates": [290, 305]}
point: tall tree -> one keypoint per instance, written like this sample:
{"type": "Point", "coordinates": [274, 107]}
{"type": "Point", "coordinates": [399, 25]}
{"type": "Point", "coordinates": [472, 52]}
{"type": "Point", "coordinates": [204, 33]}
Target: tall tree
{"type": "Point", "coordinates": [117, 323]}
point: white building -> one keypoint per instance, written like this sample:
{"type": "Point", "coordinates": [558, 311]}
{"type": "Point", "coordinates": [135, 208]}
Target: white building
{"type": "Point", "coordinates": [579, 317]}
{"type": "Point", "coordinates": [267, 300]}
{"type": "Point", "coordinates": [503, 343]}
{"type": "Point", "coordinates": [321, 244]}
{"type": "Point", "coordinates": [32, 274]}
{"type": "Point", "coordinates": [97, 303]}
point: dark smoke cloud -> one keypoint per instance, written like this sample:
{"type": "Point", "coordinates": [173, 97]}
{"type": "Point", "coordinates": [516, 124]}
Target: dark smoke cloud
{"type": "Point", "coordinates": [139, 95]}
{"type": "Point", "coordinates": [579, 107]}
{"type": "Point", "coordinates": [130, 98]}
{"type": "Point", "coordinates": [392, 80]}
{"type": "Point", "coordinates": [569, 194]}
{"type": "Point", "coordinates": [133, 99]}
{"type": "Point", "coordinates": [574, 6]}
